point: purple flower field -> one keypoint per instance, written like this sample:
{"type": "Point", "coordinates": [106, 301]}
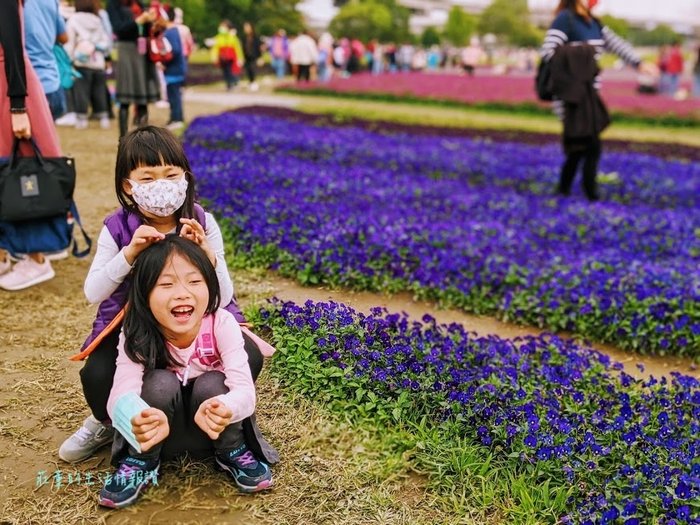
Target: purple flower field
{"type": "Point", "coordinates": [621, 450]}
{"type": "Point", "coordinates": [466, 222]}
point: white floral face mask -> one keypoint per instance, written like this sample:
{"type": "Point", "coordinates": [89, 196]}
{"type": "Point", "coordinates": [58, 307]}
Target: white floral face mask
{"type": "Point", "coordinates": [161, 197]}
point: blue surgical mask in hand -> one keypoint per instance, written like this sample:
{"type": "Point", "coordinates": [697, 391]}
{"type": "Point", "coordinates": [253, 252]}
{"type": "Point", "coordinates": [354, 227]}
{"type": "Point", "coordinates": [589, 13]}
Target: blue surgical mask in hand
{"type": "Point", "coordinates": [128, 406]}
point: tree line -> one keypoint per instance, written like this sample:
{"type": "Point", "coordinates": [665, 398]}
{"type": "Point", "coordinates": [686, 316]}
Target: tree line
{"type": "Point", "coordinates": [387, 21]}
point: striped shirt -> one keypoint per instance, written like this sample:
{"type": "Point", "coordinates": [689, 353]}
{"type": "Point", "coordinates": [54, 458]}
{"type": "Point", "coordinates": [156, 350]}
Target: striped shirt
{"type": "Point", "coordinates": [571, 28]}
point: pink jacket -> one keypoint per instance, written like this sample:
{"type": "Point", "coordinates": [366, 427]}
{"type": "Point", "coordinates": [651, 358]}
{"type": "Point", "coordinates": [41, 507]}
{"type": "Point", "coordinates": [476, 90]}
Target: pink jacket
{"type": "Point", "coordinates": [230, 358]}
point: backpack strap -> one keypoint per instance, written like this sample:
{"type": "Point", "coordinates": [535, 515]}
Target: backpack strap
{"type": "Point", "coordinates": [206, 350]}
{"type": "Point", "coordinates": [74, 216]}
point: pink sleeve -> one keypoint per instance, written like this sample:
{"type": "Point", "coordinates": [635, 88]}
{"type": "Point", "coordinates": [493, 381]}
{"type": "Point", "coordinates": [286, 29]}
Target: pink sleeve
{"type": "Point", "coordinates": [229, 341]}
{"type": "Point", "coordinates": [127, 378]}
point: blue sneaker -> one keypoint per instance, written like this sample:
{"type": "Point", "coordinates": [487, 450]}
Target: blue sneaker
{"type": "Point", "coordinates": [126, 485]}
{"type": "Point", "coordinates": [249, 474]}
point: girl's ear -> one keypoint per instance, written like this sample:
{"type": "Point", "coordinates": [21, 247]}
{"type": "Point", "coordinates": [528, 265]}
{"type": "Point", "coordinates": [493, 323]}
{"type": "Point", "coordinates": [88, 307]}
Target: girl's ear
{"type": "Point", "coordinates": [126, 186]}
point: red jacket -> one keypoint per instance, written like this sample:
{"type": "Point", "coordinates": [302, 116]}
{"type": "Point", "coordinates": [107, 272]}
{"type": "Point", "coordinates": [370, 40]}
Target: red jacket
{"type": "Point", "coordinates": [674, 65]}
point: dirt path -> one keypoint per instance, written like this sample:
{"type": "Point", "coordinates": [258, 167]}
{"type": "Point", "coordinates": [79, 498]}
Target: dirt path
{"type": "Point", "coordinates": [322, 478]}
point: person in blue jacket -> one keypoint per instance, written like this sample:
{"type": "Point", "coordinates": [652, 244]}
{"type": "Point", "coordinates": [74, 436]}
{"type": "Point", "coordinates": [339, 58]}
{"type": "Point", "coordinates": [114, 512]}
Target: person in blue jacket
{"type": "Point", "coordinates": [175, 70]}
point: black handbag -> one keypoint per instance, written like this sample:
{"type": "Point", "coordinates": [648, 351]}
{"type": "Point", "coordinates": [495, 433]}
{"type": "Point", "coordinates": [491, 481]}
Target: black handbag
{"type": "Point", "coordinates": [35, 187]}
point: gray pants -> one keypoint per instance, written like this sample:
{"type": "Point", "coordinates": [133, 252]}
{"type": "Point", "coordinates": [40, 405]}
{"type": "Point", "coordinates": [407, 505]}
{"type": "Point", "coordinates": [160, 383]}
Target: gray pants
{"type": "Point", "coordinates": [163, 390]}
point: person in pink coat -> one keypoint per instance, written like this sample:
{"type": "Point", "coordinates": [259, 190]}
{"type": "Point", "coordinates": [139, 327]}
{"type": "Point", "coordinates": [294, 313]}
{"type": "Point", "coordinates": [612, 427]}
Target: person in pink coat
{"type": "Point", "coordinates": [24, 114]}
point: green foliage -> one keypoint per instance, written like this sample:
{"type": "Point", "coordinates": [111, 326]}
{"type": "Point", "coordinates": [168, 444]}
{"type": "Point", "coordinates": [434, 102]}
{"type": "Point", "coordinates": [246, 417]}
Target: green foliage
{"type": "Point", "coordinates": [510, 20]}
{"type": "Point", "coordinates": [371, 19]}
{"type": "Point", "coordinates": [271, 15]}
{"type": "Point", "coordinates": [618, 25]}
{"type": "Point", "coordinates": [204, 16]}
{"type": "Point", "coordinates": [459, 26]}
{"type": "Point", "coordinates": [430, 37]}
{"type": "Point", "coordinates": [660, 35]}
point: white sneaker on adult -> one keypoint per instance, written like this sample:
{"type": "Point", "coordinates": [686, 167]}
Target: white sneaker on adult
{"type": "Point", "coordinates": [87, 440]}
{"type": "Point", "coordinates": [175, 125]}
{"type": "Point", "coordinates": [27, 272]}
{"type": "Point", "coordinates": [104, 123]}
{"type": "Point", "coordinates": [69, 119]}
{"type": "Point", "coordinates": [56, 256]}
{"type": "Point", "coordinates": [254, 86]}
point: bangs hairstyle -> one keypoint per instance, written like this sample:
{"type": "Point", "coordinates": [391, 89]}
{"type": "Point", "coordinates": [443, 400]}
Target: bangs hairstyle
{"type": "Point", "coordinates": [144, 341]}
{"type": "Point", "coordinates": [152, 146]}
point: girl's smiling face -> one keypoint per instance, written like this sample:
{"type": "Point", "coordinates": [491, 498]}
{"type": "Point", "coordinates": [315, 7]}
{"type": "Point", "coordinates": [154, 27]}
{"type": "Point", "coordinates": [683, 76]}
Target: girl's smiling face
{"type": "Point", "coordinates": [179, 300]}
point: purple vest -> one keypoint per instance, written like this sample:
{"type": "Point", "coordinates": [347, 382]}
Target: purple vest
{"type": "Point", "coordinates": [121, 225]}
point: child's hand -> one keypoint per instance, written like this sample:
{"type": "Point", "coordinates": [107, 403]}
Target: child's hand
{"type": "Point", "coordinates": [143, 237]}
{"type": "Point", "coordinates": [193, 231]}
{"type": "Point", "coordinates": [150, 427]}
{"type": "Point", "coordinates": [213, 417]}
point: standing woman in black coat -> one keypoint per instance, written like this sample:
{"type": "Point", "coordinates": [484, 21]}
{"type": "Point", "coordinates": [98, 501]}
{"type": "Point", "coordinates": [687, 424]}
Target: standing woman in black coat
{"type": "Point", "coordinates": [137, 80]}
{"type": "Point", "coordinates": [574, 24]}
{"type": "Point", "coordinates": [251, 52]}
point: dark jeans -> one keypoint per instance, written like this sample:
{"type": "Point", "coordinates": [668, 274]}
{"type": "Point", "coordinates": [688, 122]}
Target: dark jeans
{"type": "Point", "coordinates": [588, 150]}
{"type": "Point", "coordinates": [250, 70]}
{"type": "Point", "coordinates": [97, 375]}
{"type": "Point", "coordinates": [163, 390]}
{"type": "Point", "coordinates": [175, 99]}
{"type": "Point", "coordinates": [57, 103]}
{"type": "Point", "coordinates": [91, 87]}
{"type": "Point", "coordinates": [303, 72]}
{"type": "Point", "coordinates": [227, 70]}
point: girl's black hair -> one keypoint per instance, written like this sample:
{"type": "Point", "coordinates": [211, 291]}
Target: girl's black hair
{"type": "Point", "coordinates": [144, 341]}
{"type": "Point", "coordinates": [152, 146]}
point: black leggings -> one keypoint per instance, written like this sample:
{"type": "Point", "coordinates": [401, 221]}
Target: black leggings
{"type": "Point", "coordinates": [590, 152]}
{"type": "Point", "coordinates": [140, 119]}
{"type": "Point", "coordinates": [97, 375]}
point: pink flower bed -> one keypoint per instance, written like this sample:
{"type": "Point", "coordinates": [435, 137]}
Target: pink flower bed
{"type": "Point", "coordinates": [620, 95]}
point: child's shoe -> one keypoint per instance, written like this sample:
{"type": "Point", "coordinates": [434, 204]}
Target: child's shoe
{"type": "Point", "coordinates": [88, 439]}
{"type": "Point", "coordinates": [249, 474]}
{"type": "Point", "coordinates": [126, 485]}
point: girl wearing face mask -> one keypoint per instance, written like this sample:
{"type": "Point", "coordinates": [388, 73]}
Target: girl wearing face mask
{"type": "Point", "coordinates": [156, 190]}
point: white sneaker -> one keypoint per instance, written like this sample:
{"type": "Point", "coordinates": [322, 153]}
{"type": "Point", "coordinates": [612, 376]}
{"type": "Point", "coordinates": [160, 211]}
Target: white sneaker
{"type": "Point", "coordinates": [89, 438]}
{"type": "Point", "coordinates": [69, 119]}
{"type": "Point", "coordinates": [175, 125]}
{"type": "Point", "coordinates": [163, 104]}
{"type": "Point", "coordinates": [254, 86]}
{"type": "Point", "coordinates": [81, 123]}
{"type": "Point", "coordinates": [5, 265]}
{"type": "Point", "coordinates": [56, 256]}
{"type": "Point", "coordinates": [26, 273]}
{"type": "Point", "coordinates": [105, 123]}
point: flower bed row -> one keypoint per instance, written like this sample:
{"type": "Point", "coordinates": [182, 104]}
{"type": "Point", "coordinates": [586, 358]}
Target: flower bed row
{"type": "Point", "coordinates": [502, 91]}
{"type": "Point", "coordinates": [465, 222]}
{"type": "Point", "coordinates": [611, 449]}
